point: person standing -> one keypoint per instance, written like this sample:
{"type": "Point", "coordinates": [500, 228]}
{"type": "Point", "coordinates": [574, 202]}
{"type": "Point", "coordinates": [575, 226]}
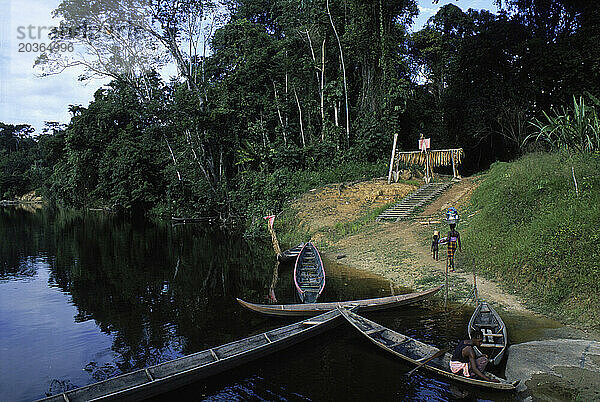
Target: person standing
{"type": "Point", "coordinates": [453, 242]}
{"type": "Point", "coordinates": [435, 244]}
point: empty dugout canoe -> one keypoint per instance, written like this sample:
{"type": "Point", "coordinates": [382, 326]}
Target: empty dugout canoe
{"type": "Point", "coordinates": [380, 303]}
{"type": "Point", "coordinates": [290, 255]}
{"type": "Point", "coordinates": [155, 380]}
{"type": "Point", "coordinates": [309, 274]}
{"type": "Point", "coordinates": [495, 336]}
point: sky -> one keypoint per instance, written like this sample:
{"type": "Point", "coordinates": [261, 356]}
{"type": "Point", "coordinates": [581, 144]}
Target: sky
{"type": "Point", "coordinates": [27, 98]}
{"type": "Point", "coordinates": [427, 9]}
{"type": "Point", "coordinates": [24, 96]}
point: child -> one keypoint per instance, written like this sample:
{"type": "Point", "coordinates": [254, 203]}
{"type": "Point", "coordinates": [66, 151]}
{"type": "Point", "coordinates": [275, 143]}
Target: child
{"type": "Point", "coordinates": [434, 244]}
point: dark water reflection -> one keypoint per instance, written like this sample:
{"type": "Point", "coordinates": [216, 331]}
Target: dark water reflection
{"type": "Point", "coordinates": [86, 296]}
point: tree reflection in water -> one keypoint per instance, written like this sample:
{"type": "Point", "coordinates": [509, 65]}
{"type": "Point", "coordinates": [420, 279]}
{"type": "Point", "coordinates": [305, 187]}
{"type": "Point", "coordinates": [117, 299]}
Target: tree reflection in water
{"type": "Point", "coordinates": [160, 291]}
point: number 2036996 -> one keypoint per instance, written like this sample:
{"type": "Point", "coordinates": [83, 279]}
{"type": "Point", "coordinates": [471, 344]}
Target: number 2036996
{"type": "Point", "coordinates": [35, 47]}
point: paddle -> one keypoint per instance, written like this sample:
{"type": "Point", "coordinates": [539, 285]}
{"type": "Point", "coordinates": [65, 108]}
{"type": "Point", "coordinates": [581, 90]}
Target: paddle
{"type": "Point", "coordinates": [437, 354]}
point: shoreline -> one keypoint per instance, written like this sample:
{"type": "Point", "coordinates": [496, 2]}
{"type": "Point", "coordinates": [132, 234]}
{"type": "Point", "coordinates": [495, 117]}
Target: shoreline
{"type": "Point", "coordinates": [400, 251]}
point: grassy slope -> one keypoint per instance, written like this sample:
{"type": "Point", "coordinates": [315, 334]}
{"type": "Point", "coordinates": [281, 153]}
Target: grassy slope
{"type": "Point", "coordinates": [533, 233]}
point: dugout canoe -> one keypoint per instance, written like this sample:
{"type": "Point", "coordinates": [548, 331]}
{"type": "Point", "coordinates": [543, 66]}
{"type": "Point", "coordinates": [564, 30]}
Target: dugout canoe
{"type": "Point", "coordinates": [290, 255]}
{"type": "Point", "coordinates": [309, 274]}
{"type": "Point", "coordinates": [146, 383]}
{"type": "Point", "coordinates": [380, 303]}
{"type": "Point", "coordinates": [415, 352]}
{"type": "Point", "coordinates": [495, 336]}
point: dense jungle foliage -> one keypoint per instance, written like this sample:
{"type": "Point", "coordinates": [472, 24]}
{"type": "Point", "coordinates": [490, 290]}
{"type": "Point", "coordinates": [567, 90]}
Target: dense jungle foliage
{"type": "Point", "coordinates": [273, 97]}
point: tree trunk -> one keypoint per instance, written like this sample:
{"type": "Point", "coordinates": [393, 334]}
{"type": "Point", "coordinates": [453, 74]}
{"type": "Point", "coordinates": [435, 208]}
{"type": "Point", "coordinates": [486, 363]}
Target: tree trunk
{"type": "Point", "coordinates": [300, 118]}
{"type": "Point", "coordinates": [279, 113]}
{"type": "Point", "coordinates": [323, 91]}
{"type": "Point", "coordinates": [199, 163]}
{"type": "Point", "coordinates": [173, 157]}
{"type": "Point", "coordinates": [286, 90]}
{"type": "Point", "coordinates": [319, 73]}
{"type": "Point", "coordinates": [263, 131]}
{"type": "Point", "coordinates": [343, 72]}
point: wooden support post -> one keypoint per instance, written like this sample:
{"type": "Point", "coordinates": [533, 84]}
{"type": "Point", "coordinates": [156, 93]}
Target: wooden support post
{"type": "Point", "coordinates": [274, 280]}
{"type": "Point", "coordinates": [431, 168]}
{"type": "Point", "coordinates": [426, 168]}
{"type": "Point", "coordinates": [392, 159]}
{"type": "Point", "coordinates": [270, 220]}
{"type": "Point", "coordinates": [454, 172]}
{"type": "Point", "coordinates": [426, 178]}
{"type": "Point", "coordinates": [446, 293]}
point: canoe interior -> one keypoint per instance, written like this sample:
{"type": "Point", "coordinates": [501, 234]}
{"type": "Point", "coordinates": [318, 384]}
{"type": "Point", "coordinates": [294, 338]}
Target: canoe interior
{"type": "Point", "coordinates": [151, 381]}
{"type": "Point", "coordinates": [495, 337]}
{"type": "Point", "coordinates": [399, 343]}
{"type": "Point", "coordinates": [309, 275]}
{"type": "Point", "coordinates": [413, 351]}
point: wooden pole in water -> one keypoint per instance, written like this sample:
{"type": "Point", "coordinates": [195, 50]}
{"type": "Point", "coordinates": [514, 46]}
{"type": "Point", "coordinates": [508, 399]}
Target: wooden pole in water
{"type": "Point", "coordinates": [475, 284]}
{"type": "Point", "coordinates": [274, 279]}
{"type": "Point", "coordinates": [271, 219]}
{"type": "Point", "coordinates": [446, 293]}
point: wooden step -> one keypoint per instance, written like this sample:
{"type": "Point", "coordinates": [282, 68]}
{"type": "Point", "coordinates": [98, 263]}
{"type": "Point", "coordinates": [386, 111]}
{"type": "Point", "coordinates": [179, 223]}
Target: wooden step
{"type": "Point", "coordinates": [406, 206]}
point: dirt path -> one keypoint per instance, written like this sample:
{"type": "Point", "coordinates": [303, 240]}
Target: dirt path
{"type": "Point", "coordinates": [398, 251]}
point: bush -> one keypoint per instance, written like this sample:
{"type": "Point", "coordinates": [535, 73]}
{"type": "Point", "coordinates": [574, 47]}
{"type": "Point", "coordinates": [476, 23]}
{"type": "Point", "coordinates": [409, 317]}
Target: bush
{"type": "Point", "coordinates": [260, 193]}
{"type": "Point", "coordinates": [576, 128]}
{"type": "Point", "coordinates": [537, 234]}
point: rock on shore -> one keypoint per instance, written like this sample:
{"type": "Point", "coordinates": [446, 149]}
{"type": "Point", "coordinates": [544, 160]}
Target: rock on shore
{"type": "Point", "coordinates": [557, 369]}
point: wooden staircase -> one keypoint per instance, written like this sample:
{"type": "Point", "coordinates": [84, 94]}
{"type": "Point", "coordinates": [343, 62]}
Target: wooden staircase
{"type": "Point", "coordinates": [405, 207]}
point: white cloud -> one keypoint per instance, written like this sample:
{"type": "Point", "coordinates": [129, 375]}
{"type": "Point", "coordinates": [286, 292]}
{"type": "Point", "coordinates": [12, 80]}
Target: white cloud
{"type": "Point", "coordinates": [24, 96]}
{"type": "Point", "coordinates": [428, 10]}
{"type": "Point", "coordinates": [28, 98]}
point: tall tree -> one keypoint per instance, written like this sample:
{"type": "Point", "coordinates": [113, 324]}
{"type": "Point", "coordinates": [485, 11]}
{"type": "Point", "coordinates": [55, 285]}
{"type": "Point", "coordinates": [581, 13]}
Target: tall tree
{"type": "Point", "coordinates": [17, 152]}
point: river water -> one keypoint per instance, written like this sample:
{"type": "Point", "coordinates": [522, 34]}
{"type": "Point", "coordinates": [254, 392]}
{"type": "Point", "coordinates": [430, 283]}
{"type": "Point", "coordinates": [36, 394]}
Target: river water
{"type": "Point", "coordinates": [85, 296]}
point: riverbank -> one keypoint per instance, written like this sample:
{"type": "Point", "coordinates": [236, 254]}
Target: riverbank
{"type": "Point", "coordinates": [342, 224]}
{"type": "Point", "coordinates": [30, 202]}
{"type": "Point", "coordinates": [398, 251]}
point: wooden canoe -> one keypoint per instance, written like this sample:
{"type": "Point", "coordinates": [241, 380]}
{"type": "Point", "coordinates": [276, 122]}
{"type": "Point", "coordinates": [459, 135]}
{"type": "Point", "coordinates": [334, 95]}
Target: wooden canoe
{"type": "Point", "coordinates": [192, 220]}
{"type": "Point", "coordinates": [318, 308]}
{"type": "Point", "coordinates": [146, 383]}
{"type": "Point", "coordinates": [415, 352]}
{"type": "Point", "coordinates": [290, 255]}
{"type": "Point", "coordinates": [309, 274]}
{"type": "Point", "coordinates": [495, 336]}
